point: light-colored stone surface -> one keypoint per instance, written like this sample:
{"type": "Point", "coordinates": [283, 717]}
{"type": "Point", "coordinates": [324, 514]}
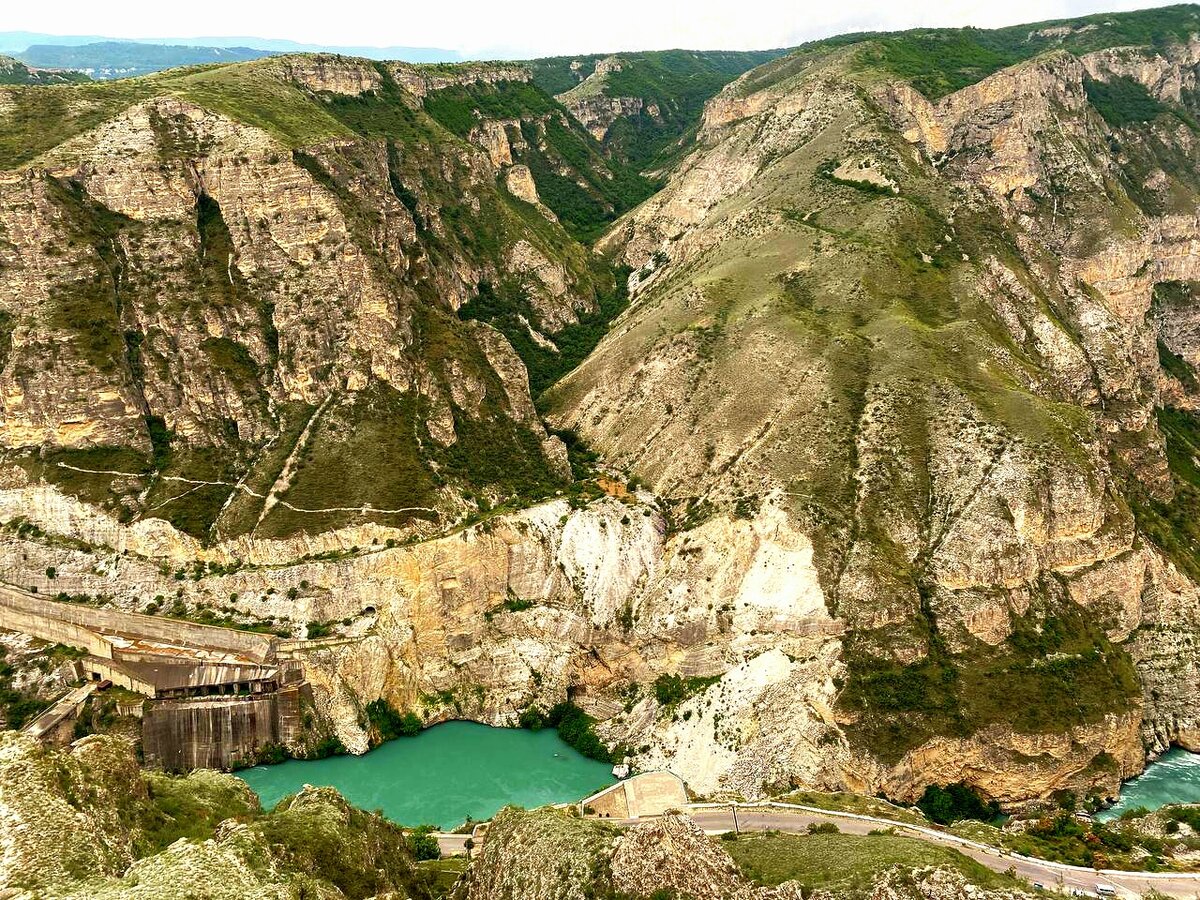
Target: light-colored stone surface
{"type": "Point", "coordinates": [644, 795]}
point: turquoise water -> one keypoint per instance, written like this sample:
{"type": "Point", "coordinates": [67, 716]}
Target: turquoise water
{"type": "Point", "coordinates": [1172, 778]}
{"type": "Point", "coordinates": [445, 774]}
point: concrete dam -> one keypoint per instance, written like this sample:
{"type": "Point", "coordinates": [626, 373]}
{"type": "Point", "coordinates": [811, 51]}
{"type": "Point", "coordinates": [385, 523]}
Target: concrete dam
{"type": "Point", "coordinates": [215, 696]}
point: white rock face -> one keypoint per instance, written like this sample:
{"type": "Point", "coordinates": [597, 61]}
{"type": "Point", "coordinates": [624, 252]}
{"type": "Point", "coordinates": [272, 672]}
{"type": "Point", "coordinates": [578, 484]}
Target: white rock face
{"type": "Point", "coordinates": [601, 597]}
{"type": "Point", "coordinates": [732, 738]}
{"type": "Point", "coordinates": [780, 587]}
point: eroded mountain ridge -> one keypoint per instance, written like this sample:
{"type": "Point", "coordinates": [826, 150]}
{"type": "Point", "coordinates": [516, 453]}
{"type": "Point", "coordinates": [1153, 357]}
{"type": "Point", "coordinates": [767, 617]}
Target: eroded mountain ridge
{"type": "Point", "coordinates": [907, 378]}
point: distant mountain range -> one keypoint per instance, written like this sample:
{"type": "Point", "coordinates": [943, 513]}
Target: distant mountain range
{"type": "Point", "coordinates": [119, 59]}
{"type": "Point", "coordinates": [103, 57]}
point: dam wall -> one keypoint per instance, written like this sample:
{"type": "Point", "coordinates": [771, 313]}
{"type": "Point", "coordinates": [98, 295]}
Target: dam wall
{"type": "Point", "coordinates": [216, 695]}
{"type": "Point", "coordinates": [85, 627]}
{"type": "Point", "coordinates": [18, 617]}
{"type": "Point", "coordinates": [180, 735]}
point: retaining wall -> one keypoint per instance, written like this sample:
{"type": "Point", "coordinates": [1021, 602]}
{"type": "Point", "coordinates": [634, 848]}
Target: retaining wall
{"type": "Point", "coordinates": [81, 626]}
{"type": "Point", "coordinates": [180, 735]}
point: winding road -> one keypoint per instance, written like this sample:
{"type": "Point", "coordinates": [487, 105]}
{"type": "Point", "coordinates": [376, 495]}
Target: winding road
{"type": "Point", "coordinates": [1052, 876]}
{"type": "Point", "coordinates": [717, 818]}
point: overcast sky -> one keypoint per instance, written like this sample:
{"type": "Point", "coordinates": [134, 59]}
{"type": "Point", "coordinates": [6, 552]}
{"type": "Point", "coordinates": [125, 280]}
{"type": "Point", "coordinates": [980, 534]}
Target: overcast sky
{"type": "Point", "coordinates": [523, 28]}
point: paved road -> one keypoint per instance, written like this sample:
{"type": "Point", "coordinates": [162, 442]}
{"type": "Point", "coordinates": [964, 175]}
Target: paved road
{"type": "Point", "coordinates": [452, 844]}
{"type": "Point", "coordinates": [1050, 875]}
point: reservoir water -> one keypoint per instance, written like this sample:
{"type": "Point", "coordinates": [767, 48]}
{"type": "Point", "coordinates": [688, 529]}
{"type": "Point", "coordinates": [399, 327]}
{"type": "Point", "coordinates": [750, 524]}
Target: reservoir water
{"type": "Point", "coordinates": [445, 774]}
{"type": "Point", "coordinates": [1172, 778]}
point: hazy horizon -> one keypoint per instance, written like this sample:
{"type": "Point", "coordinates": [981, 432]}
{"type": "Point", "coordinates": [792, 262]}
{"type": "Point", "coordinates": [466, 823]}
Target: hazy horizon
{"type": "Point", "coordinates": [475, 30]}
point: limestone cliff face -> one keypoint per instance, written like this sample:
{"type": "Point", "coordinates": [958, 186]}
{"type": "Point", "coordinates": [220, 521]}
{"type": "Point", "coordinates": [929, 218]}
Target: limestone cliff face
{"type": "Point", "coordinates": [502, 616]}
{"type": "Point", "coordinates": [195, 308]}
{"type": "Point", "coordinates": [805, 331]}
{"type": "Point", "coordinates": [592, 107]}
{"type": "Point", "coordinates": [597, 113]}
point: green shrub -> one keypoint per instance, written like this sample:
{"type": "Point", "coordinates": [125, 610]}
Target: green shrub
{"type": "Point", "coordinates": [577, 729]}
{"type": "Point", "coordinates": [319, 629]}
{"type": "Point", "coordinates": [1122, 101]}
{"type": "Point", "coordinates": [270, 754]}
{"type": "Point", "coordinates": [532, 718]}
{"type": "Point", "coordinates": [19, 708]}
{"type": "Point", "coordinates": [954, 802]}
{"type": "Point", "coordinates": [422, 844]}
{"type": "Point", "coordinates": [329, 745]}
{"type": "Point", "coordinates": [390, 723]}
{"type": "Point", "coordinates": [671, 690]}
{"type": "Point", "coordinates": [1138, 812]}
{"type": "Point", "coordinates": [1066, 799]}
{"type": "Point", "coordinates": [1188, 815]}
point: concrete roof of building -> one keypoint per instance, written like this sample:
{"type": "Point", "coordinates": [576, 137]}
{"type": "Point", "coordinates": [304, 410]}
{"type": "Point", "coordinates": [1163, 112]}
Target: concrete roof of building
{"type": "Point", "coordinates": [173, 675]}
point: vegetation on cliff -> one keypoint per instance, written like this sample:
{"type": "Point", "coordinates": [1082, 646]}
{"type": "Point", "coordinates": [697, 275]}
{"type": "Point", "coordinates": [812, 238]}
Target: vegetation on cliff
{"type": "Point", "coordinates": [596, 188]}
{"type": "Point", "coordinates": [939, 61]}
{"type": "Point", "coordinates": [390, 723]}
{"type": "Point", "coordinates": [422, 454]}
{"type": "Point", "coordinates": [506, 307]}
{"type": "Point", "coordinates": [89, 824]}
{"type": "Point", "coordinates": [946, 805]}
{"type": "Point", "coordinates": [1171, 523]}
{"type": "Point", "coordinates": [1058, 669]}
{"type": "Point", "coordinates": [672, 87]}
{"type": "Point", "coordinates": [575, 727]}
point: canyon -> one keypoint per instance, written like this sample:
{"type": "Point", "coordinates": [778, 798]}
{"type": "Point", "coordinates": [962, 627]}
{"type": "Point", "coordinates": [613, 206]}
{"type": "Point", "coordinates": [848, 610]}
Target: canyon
{"type": "Point", "coordinates": [865, 410]}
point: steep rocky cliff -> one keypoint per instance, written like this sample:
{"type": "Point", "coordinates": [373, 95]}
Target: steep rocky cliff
{"type": "Point", "coordinates": [926, 332]}
{"type": "Point", "coordinates": [643, 106]}
{"type": "Point", "coordinates": [87, 823]}
{"type": "Point", "coordinates": [247, 322]}
{"type": "Point", "coordinates": [899, 449]}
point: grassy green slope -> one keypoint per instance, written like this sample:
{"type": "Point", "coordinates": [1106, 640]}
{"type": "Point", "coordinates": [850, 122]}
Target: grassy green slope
{"type": "Point", "coordinates": [939, 61]}
{"type": "Point", "coordinates": [586, 189]}
{"type": "Point", "coordinates": [676, 82]}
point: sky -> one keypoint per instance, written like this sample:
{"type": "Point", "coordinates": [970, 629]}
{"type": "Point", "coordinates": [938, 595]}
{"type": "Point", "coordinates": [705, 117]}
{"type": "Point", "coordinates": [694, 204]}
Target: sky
{"type": "Point", "coordinates": [527, 28]}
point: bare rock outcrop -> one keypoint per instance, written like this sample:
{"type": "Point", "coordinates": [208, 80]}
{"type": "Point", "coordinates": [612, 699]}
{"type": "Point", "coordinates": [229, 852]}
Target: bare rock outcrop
{"type": "Point", "coordinates": [942, 526]}
{"type": "Point", "coordinates": [673, 854]}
